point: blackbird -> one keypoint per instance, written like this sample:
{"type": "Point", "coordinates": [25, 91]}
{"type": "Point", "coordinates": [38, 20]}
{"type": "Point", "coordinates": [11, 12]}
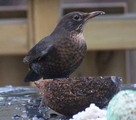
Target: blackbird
{"type": "Point", "coordinates": [60, 53]}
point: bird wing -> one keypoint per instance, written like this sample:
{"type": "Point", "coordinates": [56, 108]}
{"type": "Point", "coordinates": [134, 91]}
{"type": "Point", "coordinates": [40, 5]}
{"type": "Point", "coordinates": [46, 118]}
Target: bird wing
{"type": "Point", "coordinates": [40, 50]}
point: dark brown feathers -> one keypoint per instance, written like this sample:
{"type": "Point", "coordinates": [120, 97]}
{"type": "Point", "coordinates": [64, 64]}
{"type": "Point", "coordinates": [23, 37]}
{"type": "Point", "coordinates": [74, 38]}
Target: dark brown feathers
{"type": "Point", "coordinates": [60, 53]}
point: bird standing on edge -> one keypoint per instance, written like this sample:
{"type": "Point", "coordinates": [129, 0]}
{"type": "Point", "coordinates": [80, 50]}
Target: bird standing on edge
{"type": "Point", "coordinates": [60, 53]}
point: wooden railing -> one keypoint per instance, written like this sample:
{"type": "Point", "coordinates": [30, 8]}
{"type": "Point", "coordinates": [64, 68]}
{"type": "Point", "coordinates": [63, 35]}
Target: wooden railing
{"type": "Point", "coordinates": [104, 33]}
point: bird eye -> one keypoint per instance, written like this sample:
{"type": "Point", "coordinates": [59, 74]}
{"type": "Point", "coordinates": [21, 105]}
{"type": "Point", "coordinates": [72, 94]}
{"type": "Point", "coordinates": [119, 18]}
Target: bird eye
{"type": "Point", "coordinates": [77, 17]}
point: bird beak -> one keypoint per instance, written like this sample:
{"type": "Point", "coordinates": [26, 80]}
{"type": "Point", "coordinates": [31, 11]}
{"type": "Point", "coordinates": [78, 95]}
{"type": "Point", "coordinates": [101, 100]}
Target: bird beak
{"type": "Point", "coordinates": [94, 14]}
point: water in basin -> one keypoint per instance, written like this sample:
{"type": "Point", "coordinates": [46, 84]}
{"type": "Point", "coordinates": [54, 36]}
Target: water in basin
{"type": "Point", "coordinates": [22, 103]}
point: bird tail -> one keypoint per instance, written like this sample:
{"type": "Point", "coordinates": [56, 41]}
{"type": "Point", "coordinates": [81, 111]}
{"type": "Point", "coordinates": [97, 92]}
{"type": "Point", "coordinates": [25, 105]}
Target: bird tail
{"type": "Point", "coordinates": [32, 76]}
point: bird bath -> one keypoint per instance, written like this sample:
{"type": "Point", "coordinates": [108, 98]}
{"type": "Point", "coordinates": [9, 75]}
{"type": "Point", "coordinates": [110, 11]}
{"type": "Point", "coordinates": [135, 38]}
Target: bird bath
{"type": "Point", "coordinates": [22, 103]}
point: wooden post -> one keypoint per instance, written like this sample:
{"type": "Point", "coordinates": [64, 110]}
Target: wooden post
{"type": "Point", "coordinates": [43, 16]}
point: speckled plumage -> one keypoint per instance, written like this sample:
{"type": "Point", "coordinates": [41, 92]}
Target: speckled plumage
{"type": "Point", "coordinates": [60, 53]}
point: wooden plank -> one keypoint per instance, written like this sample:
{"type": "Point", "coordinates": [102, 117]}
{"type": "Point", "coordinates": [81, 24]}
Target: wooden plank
{"type": "Point", "coordinates": [12, 70]}
{"type": "Point", "coordinates": [43, 16]}
{"type": "Point", "coordinates": [13, 38]}
{"type": "Point", "coordinates": [31, 35]}
{"type": "Point", "coordinates": [94, 5]}
{"type": "Point", "coordinates": [131, 66]}
{"type": "Point", "coordinates": [110, 34]}
{"type": "Point", "coordinates": [13, 8]}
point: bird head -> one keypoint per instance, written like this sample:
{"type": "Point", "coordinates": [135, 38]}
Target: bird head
{"type": "Point", "coordinates": [75, 21]}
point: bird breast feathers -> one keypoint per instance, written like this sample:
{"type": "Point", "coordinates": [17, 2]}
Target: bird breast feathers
{"type": "Point", "coordinates": [78, 36]}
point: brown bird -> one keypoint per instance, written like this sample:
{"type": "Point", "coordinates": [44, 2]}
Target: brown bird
{"type": "Point", "coordinates": [60, 53]}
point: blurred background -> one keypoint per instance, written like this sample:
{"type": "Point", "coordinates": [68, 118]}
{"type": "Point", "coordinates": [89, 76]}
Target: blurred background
{"type": "Point", "coordinates": [111, 38]}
